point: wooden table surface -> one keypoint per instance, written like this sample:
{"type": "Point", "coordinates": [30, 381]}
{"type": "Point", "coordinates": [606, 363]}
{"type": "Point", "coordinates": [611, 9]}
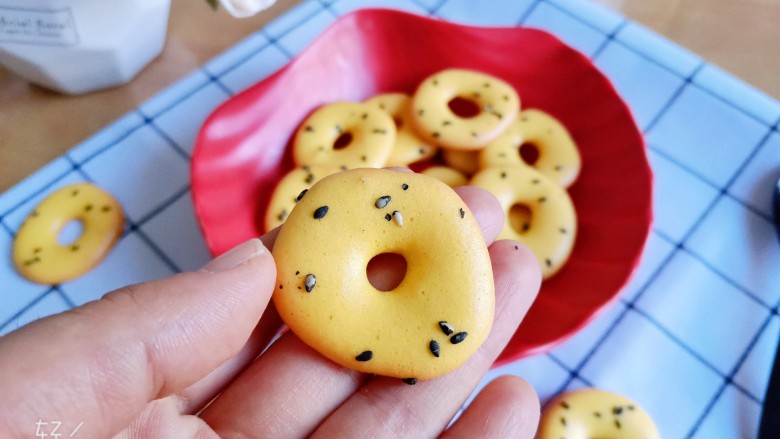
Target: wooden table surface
{"type": "Point", "coordinates": [37, 125]}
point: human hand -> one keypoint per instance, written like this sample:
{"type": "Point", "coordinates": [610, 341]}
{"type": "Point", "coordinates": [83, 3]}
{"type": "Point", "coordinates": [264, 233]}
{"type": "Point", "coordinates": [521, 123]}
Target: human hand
{"type": "Point", "coordinates": [145, 359]}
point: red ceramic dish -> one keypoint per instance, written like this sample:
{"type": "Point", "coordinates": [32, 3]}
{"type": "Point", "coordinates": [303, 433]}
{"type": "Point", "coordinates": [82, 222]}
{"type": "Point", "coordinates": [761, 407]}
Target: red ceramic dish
{"type": "Point", "coordinates": [242, 149]}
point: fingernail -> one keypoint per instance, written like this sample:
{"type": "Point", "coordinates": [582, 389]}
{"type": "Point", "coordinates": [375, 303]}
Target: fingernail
{"type": "Point", "coordinates": [235, 256]}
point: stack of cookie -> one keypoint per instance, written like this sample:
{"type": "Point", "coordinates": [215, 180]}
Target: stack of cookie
{"type": "Point", "coordinates": [468, 128]}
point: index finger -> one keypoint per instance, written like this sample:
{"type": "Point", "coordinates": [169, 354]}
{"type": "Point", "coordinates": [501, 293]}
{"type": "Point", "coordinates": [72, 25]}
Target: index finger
{"type": "Point", "coordinates": [101, 363]}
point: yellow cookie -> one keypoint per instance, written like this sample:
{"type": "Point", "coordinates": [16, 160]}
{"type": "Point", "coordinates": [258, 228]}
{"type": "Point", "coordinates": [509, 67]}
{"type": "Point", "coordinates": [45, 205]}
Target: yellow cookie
{"type": "Point", "coordinates": [552, 149]}
{"type": "Point", "coordinates": [346, 135]}
{"type": "Point", "coordinates": [408, 147]}
{"type": "Point", "coordinates": [448, 176]}
{"type": "Point", "coordinates": [592, 413]}
{"type": "Point", "coordinates": [463, 109]}
{"type": "Point", "coordinates": [464, 161]}
{"type": "Point", "coordinates": [438, 315]}
{"type": "Point", "coordinates": [40, 257]}
{"type": "Point", "coordinates": [540, 213]}
{"type": "Point", "coordinates": [289, 189]}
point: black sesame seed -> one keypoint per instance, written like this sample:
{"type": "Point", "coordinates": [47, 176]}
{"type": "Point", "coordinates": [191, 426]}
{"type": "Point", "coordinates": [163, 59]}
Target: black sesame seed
{"type": "Point", "coordinates": [344, 168]}
{"type": "Point", "coordinates": [517, 248]}
{"type": "Point", "coordinates": [476, 95]}
{"type": "Point", "coordinates": [382, 201]}
{"type": "Point", "coordinates": [597, 414]}
{"type": "Point", "coordinates": [630, 407]}
{"type": "Point", "coordinates": [365, 356]}
{"type": "Point", "coordinates": [474, 134]}
{"type": "Point", "coordinates": [542, 199]}
{"type": "Point", "coordinates": [435, 82]}
{"type": "Point", "coordinates": [563, 421]}
{"type": "Point", "coordinates": [310, 282]}
{"type": "Point", "coordinates": [503, 174]}
{"type": "Point", "coordinates": [74, 248]}
{"type": "Point", "coordinates": [446, 122]}
{"type": "Point", "coordinates": [382, 106]}
{"type": "Point", "coordinates": [303, 192]}
{"type": "Point", "coordinates": [446, 328]}
{"type": "Point", "coordinates": [281, 287]}
{"type": "Point", "coordinates": [379, 131]}
{"type": "Point", "coordinates": [74, 192]}
{"type": "Point", "coordinates": [297, 273]}
{"type": "Point", "coordinates": [436, 134]}
{"type": "Point", "coordinates": [617, 424]}
{"type": "Point", "coordinates": [364, 116]}
{"type": "Point", "coordinates": [363, 158]}
{"type": "Point", "coordinates": [486, 85]}
{"type": "Point", "coordinates": [462, 213]}
{"type": "Point", "coordinates": [410, 381]}
{"type": "Point", "coordinates": [565, 405]}
{"type": "Point", "coordinates": [535, 181]}
{"type": "Point", "coordinates": [404, 186]}
{"type": "Point", "coordinates": [548, 262]}
{"type": "Point", "coordinates": [617, 410]}
{"type": "Point", "coordinates": [320, 212]}
{"type": "Point", "coordinates": [309, 128]}
{"type": "Point", "coordinates": [505, 97]}
{"type": "Point", "coordinates": [459, 337]}
{"type": "Point", "coordinates": [106, 208]}
{"type": "Point", "coordinates": [88, 207]}
{"type": "Point", "coordinates": [306, 168]}
{"type": "Point", "coordinates": [309, 179]}
{"type": "Point", "coordinates": [282, 215]}
{"type": "Point", "coordinates": [422, 151]}
{"type": "Point", "coordinates": [434, 347]}
{"type": "Point", "coordinates": [562, 230]}
{"type": "Point", "coordinates": [37, 250]}
{"type": "Point", "coordinates": [420, 112]}
{"type": "Point", "coordinates": [34, 213]}
{"type": "Point", "coordinates": [559, 167]}
{"type": "Point", "coordinates": [388, 217]}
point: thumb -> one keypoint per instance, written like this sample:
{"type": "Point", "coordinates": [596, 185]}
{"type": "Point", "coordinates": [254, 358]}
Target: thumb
{"type": "Point", "coordinates": [100, 364]}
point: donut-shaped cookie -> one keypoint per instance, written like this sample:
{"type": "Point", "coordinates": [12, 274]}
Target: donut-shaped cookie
{"type": "Point", "coordinates": [289, 189]}
{"type": "Point", "coordinates": [592, 413]}
{"type": "Point", "coordinates": [539, 212]}
{"type": "Point", "coordinates": [345, 134]}
{"type": "Point", "coordinates": [554, 152]}
{"type": "Point", "coordinates": [40, 257]}
{"type": "Point", "coordinates": [408, 147]}
{"type": "Point", "coordinates": [483, 107]}
{"type": "Point", "coordinates": [437, 316]}
{"type": "Point", "coordinates": [450, 177]}
{"type": "Point", "coordinates": [464, 161]}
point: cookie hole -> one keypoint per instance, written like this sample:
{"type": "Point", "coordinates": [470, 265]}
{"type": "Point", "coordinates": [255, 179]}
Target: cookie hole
{"type": "Point", "coordinates": [529, 153]}
{"type": "Point", "coordinates": [464, 108]}
{"type": "Point", "coordinates": [386, 271]}
{"type": "Point", "coordinates": [342, 141]}
{"type": "Point", "coordinates": [70, 232]}
{"type": "Point", "coordinates": [520, 218]}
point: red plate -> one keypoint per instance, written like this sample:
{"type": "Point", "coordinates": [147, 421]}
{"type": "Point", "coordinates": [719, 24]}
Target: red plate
{"type": "Point", "coordinates": [242, 149]}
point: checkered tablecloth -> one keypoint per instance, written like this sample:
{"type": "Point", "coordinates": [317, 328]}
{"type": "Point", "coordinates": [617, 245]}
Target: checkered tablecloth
{"type": "Point", "coordinates": [693, 335]}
